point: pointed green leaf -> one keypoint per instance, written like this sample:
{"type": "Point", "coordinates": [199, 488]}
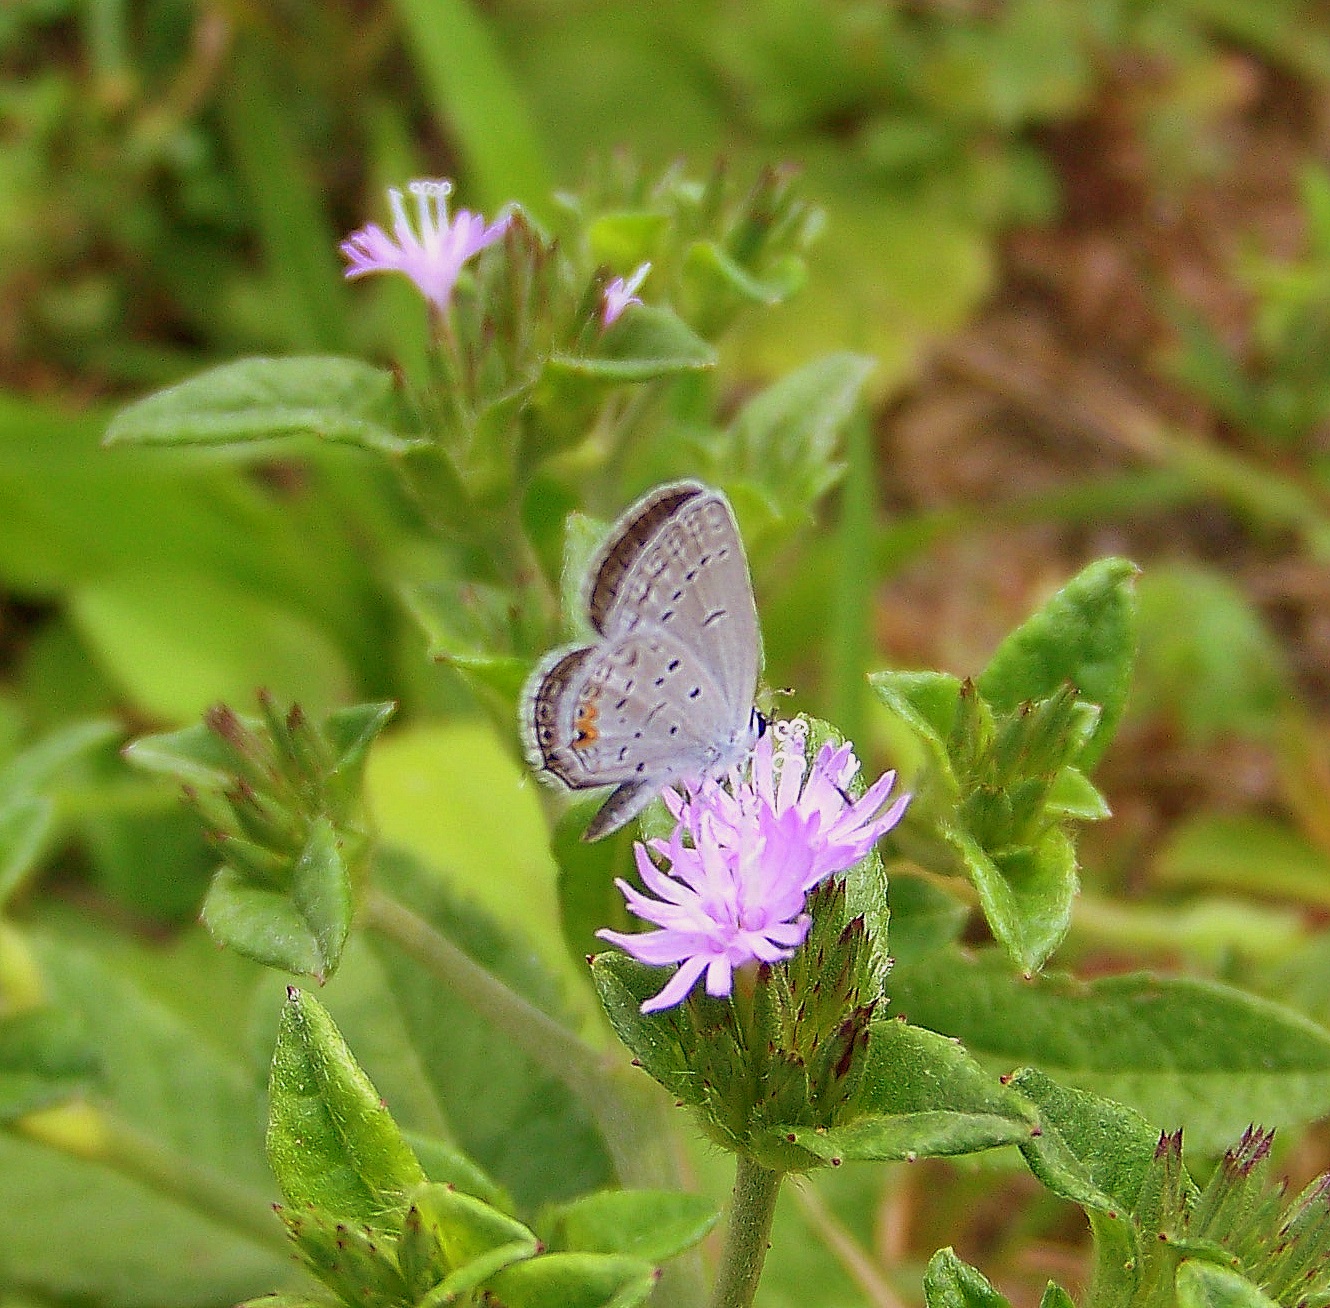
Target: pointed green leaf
{"type": "Point", "coordinates": [44, 1059]}
{"type": "Point", "coordinates": [905, 1137]}
{"type": "Point", "coordinates": [927, 702]}
{"type": "Point", "coordinates": [264, 925]}
{"type": "Point", "coordinates": [351, 731]}
{"type": "Point", "coordinates": [465, 623]}
{"type": "Point", "coordinates": [1074, 795]}
{"type": "Point", "coordinates": [1180, 1051]}
{"type": "Point", "coordinates": [720, 284]}
{"type": "Point", "coordinates": [646, 343]}
{"type": "Point", "coordinates": [333, 399]}
{"type": "Point", "coordinates": [622, 984]}
{"type": "Point", "coordinates": [575, 1280]}
{"type": "Point", "coordinates": [41, 763]}
{"type": "Point", "coordinates": [322, 895]}
{"type": "Point", "coordinates": [951, 1282]}
{"type": "Point", "coordinates": [25, 823]}
{"type": "Point", "coordinates": [194, 755]}
{"type": "Point", "coordinates": [1055, 1296]}
{"type": "Point", "coordinates": [649, 1224]}
{"type": "Point", "coordinates": [1026, 898]}
{"type": "Point", "coordinates": [450, 1166]}
{"type": "Point", "coordinates": [1206, 1285]}
{"type": "Point", "coordinates": [1090, 1150]}
{"type": "Point", "coordinates": [331, 1140]}
{"type": "Point", "coordinates": [922, 1095]}
{"type": "Point", "coordinates": [458, 1242]}
{"type": "Point", "coordinates": [1085, 635]}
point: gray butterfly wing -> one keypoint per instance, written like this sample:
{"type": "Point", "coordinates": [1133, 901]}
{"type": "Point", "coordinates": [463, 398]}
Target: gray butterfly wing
{"type": "Point", "coordinates": [637, 713]}
{"type": "Point", "coordinates": [676, 563]}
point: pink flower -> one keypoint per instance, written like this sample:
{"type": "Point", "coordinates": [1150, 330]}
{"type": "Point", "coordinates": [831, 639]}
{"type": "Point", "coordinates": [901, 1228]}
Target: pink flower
{"type": "Point", "coordinates": [743, 858]}
{"type": "Point", "coordinates": [619, 294]}
{"type": "Point", "coordinates": [433, 251]}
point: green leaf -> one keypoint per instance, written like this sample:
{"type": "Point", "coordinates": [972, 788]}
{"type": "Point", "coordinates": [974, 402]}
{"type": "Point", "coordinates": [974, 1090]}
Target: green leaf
{"type": "Point", "coordinates": [1181, 1052]}
{"type": "Point", "coordinates": [950, 1282]}
{"type": "Point", "coordinates": [1090, 1150]}
{"type": "Point", "coordinates": [922, 1096]}
{"type": "Point", "coordinates": [518, 1122]}
{"type": "Point", "coordinates": [1026, 898]}
{"type": "Point", "coordinates": [459, 1242]}
{"type": "Point", "coordinates": [421, 779]}
{"type": "Point", "coordinates": [167, 1078]}
{"type": "Point", "coordinates": [928, 703]}
{"type": "Point", "coordinates": [1255, 855]}
{"type": "Point", "coordinates": [450, 1166]}
{"type": "Point", "coordinates": [41, 763]}
{"type": "Point", "coordinates": [786, 438]}
{"type": "Point", "coordinates": [1074, 795]}
{"type": "Point", "coordinates": [264, 925]}
{"type": "Point", "coordinates": [194, 756]}
{"type": "Point", "coordinates": [465, 623]}
{"type": "Point", "coordinates": [645, 343]}
{"type": "Point", "coordinates": [719, 285]}
{"type": "Point", "coordinates": [924, 917]}
{"type": "Point", "coordinates": [331, 1140]}
{"type": "Point", "coordinates": [333, 399]}
{"type": "Point", "coordinates": [1207, 1285]}
{"type": "Point", "coordinates": [575, 1280]}
{"type": "Point", "coordinates": [1085, 635]}
{"type": "Point", "coordinates": [322, 895]}
{"type": "Point", "coordinates": [1055, 1296]}
{"type": "Point", "coordinates": [649, 1224]}
{"type": "Point", "coordinates": [44, 1058]}
{"type": "Point", "coordinates": [25, 824]}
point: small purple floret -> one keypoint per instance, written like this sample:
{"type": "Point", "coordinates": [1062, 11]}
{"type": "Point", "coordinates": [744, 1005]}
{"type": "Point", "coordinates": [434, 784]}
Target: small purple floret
{"type": "Point", "coordinates": [432, 251]}
{"type": "Point", "coordinates": [742, 859]}
{"type": "Point", "coordinates": [619, 294]}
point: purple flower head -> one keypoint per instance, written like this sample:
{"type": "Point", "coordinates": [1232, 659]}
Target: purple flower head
{"type": "Point", "coordinates": [619, 294]}
{"type": "Point", "coordinates": [743, 857]}
{"type": "Point", "coordinates": [432, 251]}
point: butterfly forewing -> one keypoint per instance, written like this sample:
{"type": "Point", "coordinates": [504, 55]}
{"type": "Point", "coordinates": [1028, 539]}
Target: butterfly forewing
{"type": "Point", "coordinates": [677, 563]}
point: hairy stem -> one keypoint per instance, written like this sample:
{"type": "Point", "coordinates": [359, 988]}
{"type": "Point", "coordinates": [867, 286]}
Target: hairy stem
{"type": "Point", "coordinates": [747, 1235]}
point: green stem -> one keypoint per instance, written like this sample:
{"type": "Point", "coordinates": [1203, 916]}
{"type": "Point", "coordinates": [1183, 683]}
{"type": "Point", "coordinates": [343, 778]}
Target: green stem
{"type": "Point", "coordinates": [747, 1236]}
{"type": "Point", "coordinates": [628, 1111]}
{"type": "Point", "coordinates": [88, 1132]}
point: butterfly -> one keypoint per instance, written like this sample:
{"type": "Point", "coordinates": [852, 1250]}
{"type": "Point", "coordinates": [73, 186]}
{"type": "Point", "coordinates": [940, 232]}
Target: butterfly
{"type": "Point", "coordinates": [665, 694]}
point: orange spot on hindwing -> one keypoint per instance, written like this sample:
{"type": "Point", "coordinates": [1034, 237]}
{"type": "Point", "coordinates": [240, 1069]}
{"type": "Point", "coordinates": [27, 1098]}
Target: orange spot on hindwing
{"type": "Point", "coordinates": [584, 724]}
